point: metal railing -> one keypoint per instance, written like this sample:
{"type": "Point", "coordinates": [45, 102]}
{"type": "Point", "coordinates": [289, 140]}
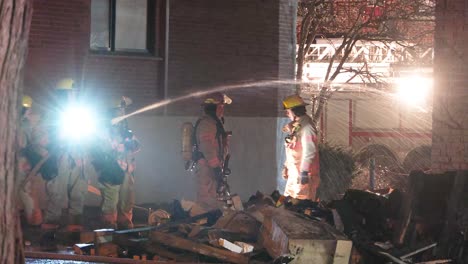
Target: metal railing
{"type": "Point", "coordinates": [371, 52]}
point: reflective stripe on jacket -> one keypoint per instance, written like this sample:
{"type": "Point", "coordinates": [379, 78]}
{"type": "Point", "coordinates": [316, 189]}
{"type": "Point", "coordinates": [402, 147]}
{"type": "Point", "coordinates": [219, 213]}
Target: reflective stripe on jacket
{"type": "Point", "coordinates": [302, 155]}
{"type": "Point", "coordinates": [303, 152]}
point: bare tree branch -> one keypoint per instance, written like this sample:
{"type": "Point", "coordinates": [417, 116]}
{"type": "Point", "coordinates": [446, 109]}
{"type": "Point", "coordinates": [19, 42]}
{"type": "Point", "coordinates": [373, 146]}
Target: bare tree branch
{"type": "Point", "coordinates": [353, 21]}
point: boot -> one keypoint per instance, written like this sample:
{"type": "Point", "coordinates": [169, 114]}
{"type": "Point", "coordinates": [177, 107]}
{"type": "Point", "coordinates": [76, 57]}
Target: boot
{"type": "Point", "coordinates": [35, 219]}
{"type": "Point", "coordinates": [73, 223]}
{"type": "Point", "coordinates": [124, 220]}
{"type": "Point", "coordinates": [109, 220]}
{"type": "Point", "coordinates": [48, 237]}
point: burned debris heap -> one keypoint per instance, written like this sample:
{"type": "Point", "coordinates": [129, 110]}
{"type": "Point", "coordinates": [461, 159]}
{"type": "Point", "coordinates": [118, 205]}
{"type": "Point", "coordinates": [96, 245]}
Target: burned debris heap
{"type": "Point", "coordinates": [361, 227]}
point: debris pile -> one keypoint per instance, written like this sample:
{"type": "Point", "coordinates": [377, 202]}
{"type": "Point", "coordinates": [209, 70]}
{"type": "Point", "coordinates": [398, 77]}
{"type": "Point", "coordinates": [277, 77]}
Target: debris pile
{"type": "Point", "coordinates": [359, 228]}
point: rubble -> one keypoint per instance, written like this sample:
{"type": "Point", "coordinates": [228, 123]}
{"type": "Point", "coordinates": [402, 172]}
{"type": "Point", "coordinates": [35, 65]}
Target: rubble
{"type": "Point", "coordinates": [228, 245]}
{"type": "Point", "coordinates": [287, 233]}
{"type": "Point", "coordinates": [246, 248]}
{"type": "Point", "coordinates": [359, 228]}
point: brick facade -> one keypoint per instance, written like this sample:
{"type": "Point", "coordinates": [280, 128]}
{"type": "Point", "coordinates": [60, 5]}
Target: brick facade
{"type": "Point", "coordinates": [58, 43]}
{"type": "Point", "coordinates": [215, 43]}
{"type": "Point", "coordinates": [450, 114]}
{"type": "Point", "coordinates": [211, 43]}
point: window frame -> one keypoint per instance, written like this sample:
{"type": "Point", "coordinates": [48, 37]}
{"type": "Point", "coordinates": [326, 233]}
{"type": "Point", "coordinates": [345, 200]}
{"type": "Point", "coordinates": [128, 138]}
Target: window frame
{"type": "Point", "coordinates": [151, 45]}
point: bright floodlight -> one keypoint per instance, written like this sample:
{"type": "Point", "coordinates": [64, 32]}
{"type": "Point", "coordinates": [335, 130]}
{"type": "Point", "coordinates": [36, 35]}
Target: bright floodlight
{"type": "Point", "coordinates": [77, 123]}
{"type": "Point", "coordinates": [414, 90]}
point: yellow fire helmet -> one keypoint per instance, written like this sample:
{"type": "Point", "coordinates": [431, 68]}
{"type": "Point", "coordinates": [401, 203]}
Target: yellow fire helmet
{"type": "Point", "coordinates": [65, 84]}
{"type": "Point", "coordinates": [293, 101]}
{"type": "Point", "coordinates": [217, 98]}
{"type": "Point", "coordinates": [27, 101]}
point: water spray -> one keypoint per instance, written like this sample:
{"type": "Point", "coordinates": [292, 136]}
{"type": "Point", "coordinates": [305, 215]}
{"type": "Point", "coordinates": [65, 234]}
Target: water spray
{"type": "Point", "coordinates": [199, 94]}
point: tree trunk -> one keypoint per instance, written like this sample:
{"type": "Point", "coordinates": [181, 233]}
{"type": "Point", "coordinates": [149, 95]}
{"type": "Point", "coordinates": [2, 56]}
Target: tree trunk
{"type": "Point", "coordinates": [15, 19]}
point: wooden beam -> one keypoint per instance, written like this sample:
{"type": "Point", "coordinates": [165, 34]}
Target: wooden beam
{"type": "Point", "coordinates": [213, 214]}
{"type": "Point", "coordinates": [98, 259]}
{"type": "Point", "coordinates": [166, 253]}
{"type": "Point", "coordinates": [181, 243]}
{"type": "Point", "coordinates": [418, 251]}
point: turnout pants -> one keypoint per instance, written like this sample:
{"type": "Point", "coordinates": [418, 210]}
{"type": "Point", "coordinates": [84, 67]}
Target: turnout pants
{"type": "Point", "coordinates": [67, 190]}
{"type": "Point", "coordinates": [295, 189]}
{"type": "Point", "coordinates": [117, 203]}
{"type": "Point", "coordinates": [206, 186]}
{"type": "Point", "coordinates": [27, 193]}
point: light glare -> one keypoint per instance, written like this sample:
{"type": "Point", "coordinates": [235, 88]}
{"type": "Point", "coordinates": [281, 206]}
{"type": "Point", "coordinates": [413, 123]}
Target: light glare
{"type": "Point", "coordinates": [413, 90]}
{"type": "Point", "coordinates": [77, 123]}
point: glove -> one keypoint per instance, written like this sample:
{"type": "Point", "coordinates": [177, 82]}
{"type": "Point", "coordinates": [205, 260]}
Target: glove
{"type": "Point", "coordinates": [284, 173]}
{"type": "Point", "coordinates": [304, 177]}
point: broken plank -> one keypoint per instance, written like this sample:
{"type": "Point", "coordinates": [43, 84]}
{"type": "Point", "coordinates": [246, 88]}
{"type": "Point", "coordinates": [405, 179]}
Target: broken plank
{"type": "Point", "coordinates": [216, 234]}
{"type": "Point", "coordinates": [86, 258]}
{"type": "Point", "coordinates": [211, 214]}
{"type": "Point", "coordinates": [181, 243]}
{"type": "Point", "coordinates": [418, 251]}
{"type": "Point", "coordinates": [239, 222]}
{"type": "Point", "coordinates": [229, 245]}
{"type": "Point", "coordinates": [166, 253]}
{"type": "Point", "coordinates": [440, 261]}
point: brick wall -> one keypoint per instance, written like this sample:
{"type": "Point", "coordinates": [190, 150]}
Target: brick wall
{"type": "Point", "coordinates": [217, 43]}
{"type": "Point", "coordinates": [450, 114]}
{"type": "Point", "coordinates": [59, 48]}
{"type": "Point", "coordinates": [287, 49]}
{"type": "Point", "coordinates": [212, 43]}
{"type": "Point", "coordinates": [58, 43]}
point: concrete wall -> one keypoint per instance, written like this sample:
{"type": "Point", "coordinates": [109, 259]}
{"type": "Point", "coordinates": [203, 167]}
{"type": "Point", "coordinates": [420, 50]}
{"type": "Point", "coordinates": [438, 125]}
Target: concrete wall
{"type": "Point", "coordinates": [160, 174]}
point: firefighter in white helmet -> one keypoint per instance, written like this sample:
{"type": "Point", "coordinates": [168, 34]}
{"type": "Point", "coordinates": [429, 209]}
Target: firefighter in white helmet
{"type": "Point", "coordinates": [31, 151]}
{"type": "Point", "coordinates": [212, 148]}
{"type": "Point", "coordinates": [301, 168]}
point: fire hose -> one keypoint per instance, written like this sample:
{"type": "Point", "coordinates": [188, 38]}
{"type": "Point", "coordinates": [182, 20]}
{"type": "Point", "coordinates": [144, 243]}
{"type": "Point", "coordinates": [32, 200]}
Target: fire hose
{"type": "Point", "coordinates": [34, 171]}
{"type": "Point", "coordinates": [38, 166]}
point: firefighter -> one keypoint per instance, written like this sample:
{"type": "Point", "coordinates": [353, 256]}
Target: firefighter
{"type": "Point", "coordinates": [118, 191]}
{"type": "Point", "coordinates": [67, 169]}
{"type": "Point", "coordinates": [211, 148]}
{"type": "Point", "coordinates": [301, 168]}
{"type": "Point", "coordinates": [30, 153]}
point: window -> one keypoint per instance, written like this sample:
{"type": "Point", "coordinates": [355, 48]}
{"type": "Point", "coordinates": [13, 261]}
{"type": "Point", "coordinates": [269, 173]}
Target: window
{"type": "Point", "coordinates": [122, 26]}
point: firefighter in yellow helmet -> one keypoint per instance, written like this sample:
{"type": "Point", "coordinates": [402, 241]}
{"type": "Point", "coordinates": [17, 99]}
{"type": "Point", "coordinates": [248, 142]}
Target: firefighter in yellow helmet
{"type": "Point", "coordinates": [30, 153]}
{"type": "Point", "coordinates": [211, 149]}
{"type": "Point", "coordinates": [64, 91]}
{"type": "Point", "coordinates": [301, 168]}
{"type": "Point", "coordinates": [66, 171]}
{"type": "Point", "coordinates": [26, 102]}
{"type": "Point", "coordinates": [65, 84]}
